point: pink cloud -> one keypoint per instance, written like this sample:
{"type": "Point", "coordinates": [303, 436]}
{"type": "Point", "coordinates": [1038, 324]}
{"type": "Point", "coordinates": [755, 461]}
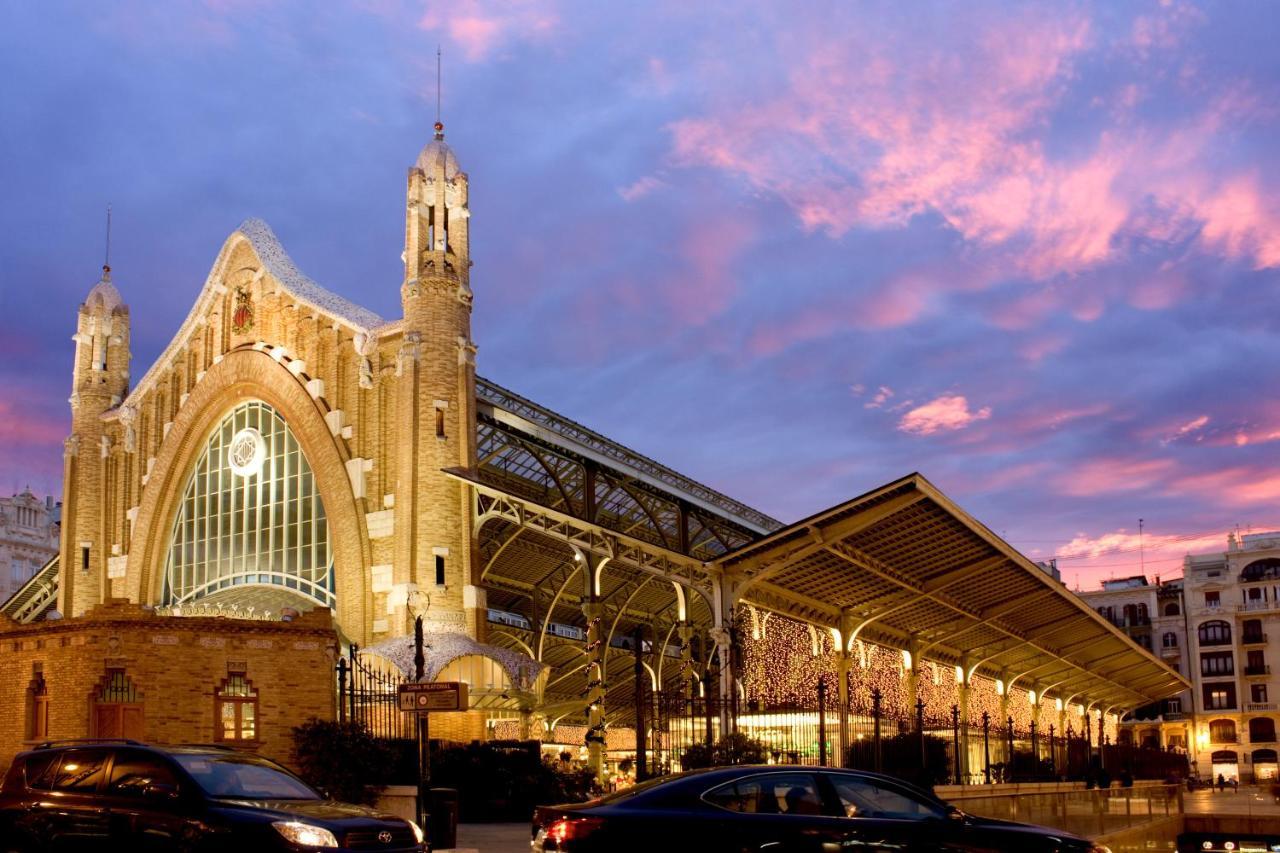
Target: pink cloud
{"type": "Point", "coordinates": [709, 251]}
{"type": "Point", "coordinates": [1192, 426]}
{"type": "Point", "coordinates": [870, 131]}
{"type": "Point", "coordinates": [481, 27]}
{"type": "Point", "coordinates": [1124, 552]}
{"type": "Point", "coordinates": [1238, 486]}
{"type": "Point", "coordinates": [640, 188]}
{"type": "Point", "coordinates": [882, 395]}
{"type": "Point", "coordinates": [1108, 475]}
{"type": "Point", "coordinates": [946, 413]}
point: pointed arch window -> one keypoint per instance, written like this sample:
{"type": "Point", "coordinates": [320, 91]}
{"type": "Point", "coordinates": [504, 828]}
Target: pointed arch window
{"type": "Point", "coordinates": [250, 515]}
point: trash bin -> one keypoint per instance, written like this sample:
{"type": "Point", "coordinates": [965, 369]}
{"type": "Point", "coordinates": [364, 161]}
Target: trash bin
{"type": "Point", "coordinates": [443, 819]}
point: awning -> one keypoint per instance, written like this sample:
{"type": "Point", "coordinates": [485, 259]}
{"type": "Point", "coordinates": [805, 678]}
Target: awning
{"type": "Point", "coordinates": [903, 566]}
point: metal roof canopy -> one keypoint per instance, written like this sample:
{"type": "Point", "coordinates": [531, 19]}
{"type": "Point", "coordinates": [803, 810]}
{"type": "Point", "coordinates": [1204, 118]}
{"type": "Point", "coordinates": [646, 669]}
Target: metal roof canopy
{"type": "Point", "coordinates": [903, 566]}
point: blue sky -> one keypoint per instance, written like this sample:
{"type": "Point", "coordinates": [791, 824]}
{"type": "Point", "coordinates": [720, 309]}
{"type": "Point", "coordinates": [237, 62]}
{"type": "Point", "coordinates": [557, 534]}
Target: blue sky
{"type": "Point", "coordinates": [795, 251]}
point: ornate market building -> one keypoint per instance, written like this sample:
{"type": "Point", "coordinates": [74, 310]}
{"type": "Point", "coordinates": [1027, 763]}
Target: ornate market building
{"type": "Point", "coordinates": [296, 479]}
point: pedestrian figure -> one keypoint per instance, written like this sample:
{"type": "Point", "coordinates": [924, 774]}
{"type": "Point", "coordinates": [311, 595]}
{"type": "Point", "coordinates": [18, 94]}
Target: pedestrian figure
{"type": "Point", "coordinates": [1222, 783]}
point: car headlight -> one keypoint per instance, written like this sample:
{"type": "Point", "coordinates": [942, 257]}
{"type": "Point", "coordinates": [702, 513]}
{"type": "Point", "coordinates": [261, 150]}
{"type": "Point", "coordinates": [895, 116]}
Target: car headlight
{"type": "Point", "coordinates": [304, 834]}
{"type": "Point", "coordinates": [417, 832]}
{"type": "Point", "coordinates": [1099, 848]}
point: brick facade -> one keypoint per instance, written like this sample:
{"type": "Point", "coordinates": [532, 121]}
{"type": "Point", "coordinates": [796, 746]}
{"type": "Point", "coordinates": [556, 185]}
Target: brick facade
{"type": "Point", "coordinates": [175, 665]}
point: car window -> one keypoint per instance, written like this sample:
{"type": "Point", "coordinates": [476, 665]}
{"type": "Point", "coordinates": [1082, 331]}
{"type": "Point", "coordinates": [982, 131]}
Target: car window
{"type": "Point", "coordinates": [81, 771]}
{"type": "Point", "coordinates": [243, 777]}
{"type": "Point", "coordinates": [863, 797]}
{"type": "Point", "coordinates": [778, 793]}
{"type": "Point", "coordinates": [133, 772]}
{"type": "Point", "coordinates": [41, 769]}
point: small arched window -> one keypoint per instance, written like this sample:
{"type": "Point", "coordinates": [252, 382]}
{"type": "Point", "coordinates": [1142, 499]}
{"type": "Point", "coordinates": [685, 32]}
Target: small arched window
{"type": "Point", "coordinates": [1262, 730]}
{"type": "Point", "coordinates": [1169, 640]}
{"type": "Point", "coordinates": [1172, 609]}
{"type": "Point", "coordinates": [1215, 633]}
{"type": "Point", "coordinates": [1222, 731]}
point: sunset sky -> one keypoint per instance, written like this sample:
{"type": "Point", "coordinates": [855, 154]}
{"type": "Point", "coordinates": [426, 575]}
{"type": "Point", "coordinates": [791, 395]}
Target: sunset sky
{"type": "Point", "coordinates": [792, 250]}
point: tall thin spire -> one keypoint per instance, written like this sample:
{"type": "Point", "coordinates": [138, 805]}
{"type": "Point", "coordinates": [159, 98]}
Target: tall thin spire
{"type": "Point", "coordinates": [106, 261]}
{"type": "Point", "coordinates": [439, 124]}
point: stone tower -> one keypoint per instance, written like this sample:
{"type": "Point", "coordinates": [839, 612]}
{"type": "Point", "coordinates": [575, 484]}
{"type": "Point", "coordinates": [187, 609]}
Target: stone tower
{"type": "Point", "coordinates": [436, 419]}
{"type": "Point", "coordinates": [101, 381]}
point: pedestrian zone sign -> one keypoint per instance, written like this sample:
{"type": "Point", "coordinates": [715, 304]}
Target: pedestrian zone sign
{"type": "Point", "coordinates": [434, 696]}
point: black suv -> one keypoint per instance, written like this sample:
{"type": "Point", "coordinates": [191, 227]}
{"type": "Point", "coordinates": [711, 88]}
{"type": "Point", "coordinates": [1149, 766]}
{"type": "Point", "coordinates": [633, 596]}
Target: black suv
{"type": "Point", "coordinates": [123, 795]}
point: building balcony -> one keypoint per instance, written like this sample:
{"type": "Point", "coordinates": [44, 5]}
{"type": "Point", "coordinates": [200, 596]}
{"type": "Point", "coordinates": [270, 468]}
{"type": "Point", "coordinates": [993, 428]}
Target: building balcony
{"type": "Point", "coordinates": [1257, 669]}
{"type": "Point", "coordinates": [1220, 739]}
{"type": "Point", "coordinates": [1207, 643]}
{"type": "Point", "coordinates": [1259, 706]}
{"type": "Point", "coordinates": [1253, 639]}
{"type": "Point", "coordinates": [1173, 717]}
{"type": "Point", "coordinates": [1259, 606]}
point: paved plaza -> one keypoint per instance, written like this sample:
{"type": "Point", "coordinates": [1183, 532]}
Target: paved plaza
{"type": "Point", "coordinates": [493, 838]}
{"type": "Point", "coordinates": [1248, 800]}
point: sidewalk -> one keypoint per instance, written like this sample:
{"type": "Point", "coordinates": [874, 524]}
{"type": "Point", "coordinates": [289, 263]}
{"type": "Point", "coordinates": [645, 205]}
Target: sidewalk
{"type": "Point", "coordinates": [1249, 800]}
{"type": "Point", "coordinates": [492, 838]}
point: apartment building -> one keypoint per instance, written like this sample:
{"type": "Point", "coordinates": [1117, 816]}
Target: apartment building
{"type": "Point", "coordinates": [1154, 616]}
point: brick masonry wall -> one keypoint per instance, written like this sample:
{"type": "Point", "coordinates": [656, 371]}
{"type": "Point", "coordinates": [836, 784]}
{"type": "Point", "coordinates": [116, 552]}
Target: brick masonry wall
{"type": "Point", "coordinates": [175, 664]}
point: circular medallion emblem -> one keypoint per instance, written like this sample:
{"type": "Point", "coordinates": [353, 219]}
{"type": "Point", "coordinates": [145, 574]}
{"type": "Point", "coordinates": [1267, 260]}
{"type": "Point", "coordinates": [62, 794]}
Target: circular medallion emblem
{"type": "Point", "coordinates": [248, 450]}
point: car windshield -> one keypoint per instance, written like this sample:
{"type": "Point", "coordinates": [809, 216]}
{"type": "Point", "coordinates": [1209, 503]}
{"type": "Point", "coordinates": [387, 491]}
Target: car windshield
{"type": "Point", "coordinates": [243, 777]}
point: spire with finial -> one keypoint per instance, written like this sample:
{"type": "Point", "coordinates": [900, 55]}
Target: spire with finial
{"type": "Point", "coordinates": [106, 261]}
{"type": "Point", "coordinates": [439, 94]}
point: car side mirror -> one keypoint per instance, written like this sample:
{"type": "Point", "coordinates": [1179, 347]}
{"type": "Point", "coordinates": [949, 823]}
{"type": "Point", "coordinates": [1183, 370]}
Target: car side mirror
{"type": "Point", "coordinates": [160, 791]}
{"type": "Point", "coordinates": [954, 813]}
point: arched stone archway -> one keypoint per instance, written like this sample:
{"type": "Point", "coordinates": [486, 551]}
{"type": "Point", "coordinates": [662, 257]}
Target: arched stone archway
{"type": "Point", "coordinates": [241, 375]}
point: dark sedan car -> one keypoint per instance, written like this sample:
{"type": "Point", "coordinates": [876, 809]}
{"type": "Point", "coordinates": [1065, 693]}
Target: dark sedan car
{"type": "Point", "coordinates": [122, 795]}
{"type": "Point", "coordinates": [777, 809]}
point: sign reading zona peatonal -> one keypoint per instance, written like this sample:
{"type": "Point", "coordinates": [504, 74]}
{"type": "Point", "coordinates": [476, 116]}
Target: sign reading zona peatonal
{"type": "Point", "coordinates": [434, 696]}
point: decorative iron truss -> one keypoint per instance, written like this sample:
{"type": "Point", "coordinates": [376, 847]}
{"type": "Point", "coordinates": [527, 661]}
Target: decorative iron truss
{"type": "Point", "coordinates": [560, 479]}
{"type": "Point", "coordinates": [621, 549]}
{"type": "Point", "coordinates": [677, 484]}
{"type": "Point", "coordinates": [35, 597]}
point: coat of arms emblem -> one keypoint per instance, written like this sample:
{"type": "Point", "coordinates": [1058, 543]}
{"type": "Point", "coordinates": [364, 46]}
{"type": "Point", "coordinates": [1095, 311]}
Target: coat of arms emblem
{"type": "Point", "coordinates": [242, 314]}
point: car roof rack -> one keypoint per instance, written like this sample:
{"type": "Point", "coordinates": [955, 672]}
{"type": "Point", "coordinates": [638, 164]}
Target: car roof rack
{"type": "Point", "coordinates": [218, 747]}
{"type": "Point", "coordinates": [90, 741]}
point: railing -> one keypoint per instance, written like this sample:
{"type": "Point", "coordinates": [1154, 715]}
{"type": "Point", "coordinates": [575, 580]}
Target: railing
{"type": "Point", "coordinates": [928, 748]}
{"type": "Point", "coordinates": [1257, 669]}
{"type": "Point", "coordinates": [1091, 813]}
{"type": "Point", "coordinates": [1259, 706]}
{"type": "Point", "coordinates": [1253, 639]}
{"type": "Point", "coordinates": [1256, 606]}
{"type": "Point", "coordinates": [371, 697]}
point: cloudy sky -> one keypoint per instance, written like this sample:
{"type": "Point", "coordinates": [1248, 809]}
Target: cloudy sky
{"type": "Point", "coordinates": [793, 250]}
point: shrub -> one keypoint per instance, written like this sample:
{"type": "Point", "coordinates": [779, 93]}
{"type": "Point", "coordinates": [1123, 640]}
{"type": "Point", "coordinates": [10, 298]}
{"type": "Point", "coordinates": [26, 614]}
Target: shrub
{"type": "Point", "coordinates": [342, 759]}
{"type": "Point", "coordinates": [734, 748]}
{"type": "Point", "coordinates": [900, 756]}
{"type": "Point", "coordinates": [505, 780]}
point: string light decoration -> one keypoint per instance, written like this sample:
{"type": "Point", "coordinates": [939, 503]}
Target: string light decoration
{"type": "Point", "coordinates": [779, 671]}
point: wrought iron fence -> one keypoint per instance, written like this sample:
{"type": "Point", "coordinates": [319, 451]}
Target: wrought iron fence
{"type": "Point", "coordinates": [371, 697]}
{"type": "Point", "coordinates": [931, 749]}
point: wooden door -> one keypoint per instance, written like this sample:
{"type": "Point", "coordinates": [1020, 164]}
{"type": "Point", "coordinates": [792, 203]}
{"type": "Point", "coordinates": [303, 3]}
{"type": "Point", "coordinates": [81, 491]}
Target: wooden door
{"type": "Point", "coordinates": [118, 720]}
